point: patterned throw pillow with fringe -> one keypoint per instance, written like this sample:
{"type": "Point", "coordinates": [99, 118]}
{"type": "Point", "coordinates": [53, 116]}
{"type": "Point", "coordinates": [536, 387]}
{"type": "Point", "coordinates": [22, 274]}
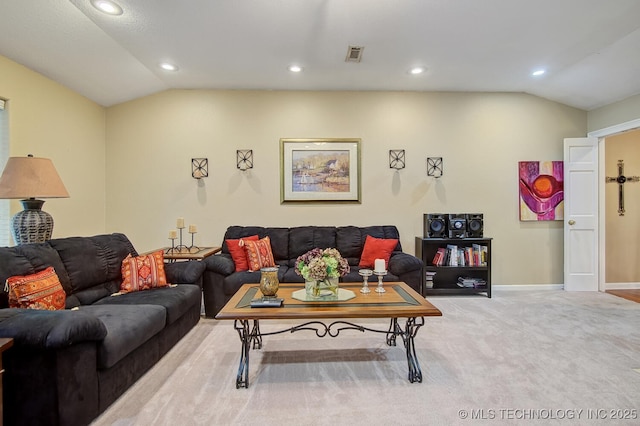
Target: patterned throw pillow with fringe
{"type": "Point", "coordinates": [41, 290]}
{"type": "Point", "coordinates": [259, 254]}
{"type": "Point", "coordinates": [143, 272]}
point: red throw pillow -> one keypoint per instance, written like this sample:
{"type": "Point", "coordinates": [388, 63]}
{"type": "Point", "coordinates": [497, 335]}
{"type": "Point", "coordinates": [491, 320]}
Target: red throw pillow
{"type": "Point", "coordinates": [143, 272]}
{"type": "Point", "coordinates": [259, 254]}
{"type": "Point", "coordinates": [238, 253]}
{"type": "Point", "coordinates": [377, 248]}
{"type": "Point", "coordinates": [41, 290]}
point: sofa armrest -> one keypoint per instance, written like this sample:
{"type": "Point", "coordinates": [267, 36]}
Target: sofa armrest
{"type": "Point", "coordinates": [188, 272]}
{"type": "Point", "coordinates": [221, 264]}
{"type": "Point", "coordinates": [50, 329]}
{"type": "Point", "coordinates": [402, 263]}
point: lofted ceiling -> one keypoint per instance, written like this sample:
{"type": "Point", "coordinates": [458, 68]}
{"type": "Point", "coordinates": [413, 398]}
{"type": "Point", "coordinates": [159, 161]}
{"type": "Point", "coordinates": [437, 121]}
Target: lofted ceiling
{"type": "Point", "coordinates": [589, 48]}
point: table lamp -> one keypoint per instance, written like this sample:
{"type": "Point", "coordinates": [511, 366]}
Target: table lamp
{"type": "Point", "coordinates": [30, 178]}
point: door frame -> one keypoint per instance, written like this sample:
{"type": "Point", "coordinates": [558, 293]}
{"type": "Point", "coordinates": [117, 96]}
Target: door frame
{"type": "Point", "coordinates": [602, 134]}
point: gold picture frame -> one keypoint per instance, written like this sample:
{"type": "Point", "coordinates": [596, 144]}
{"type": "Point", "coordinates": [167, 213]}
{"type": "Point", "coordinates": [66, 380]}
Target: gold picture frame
{"type": "Point", "coordinates": [320, 170]}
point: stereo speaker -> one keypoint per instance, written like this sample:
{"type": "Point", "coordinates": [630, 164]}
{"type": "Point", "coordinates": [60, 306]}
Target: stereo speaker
{"type": "Point", "coordinates": [457, 225]}
{"type": "Point", "coordinates": [435, 225]}
{"type": "Point", "coordinates": [475, 225]}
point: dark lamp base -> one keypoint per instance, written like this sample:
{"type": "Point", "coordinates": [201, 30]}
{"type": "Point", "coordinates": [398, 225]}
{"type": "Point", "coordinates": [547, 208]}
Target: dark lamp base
{"type": "Point", "coordinates": [31, 225]}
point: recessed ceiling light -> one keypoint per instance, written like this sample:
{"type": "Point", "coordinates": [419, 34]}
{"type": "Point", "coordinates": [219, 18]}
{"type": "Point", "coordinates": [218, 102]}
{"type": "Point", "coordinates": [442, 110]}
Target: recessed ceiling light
{"type": "Point", "coordinates": [537, 73]}
{"type": "Point", "coordinates": [107, 6]}
{"type": "Point", "coordinates": [295, 68]}
{"type": "Point", "coordinates": [168, 67]}
{"type": "Point", "coordinates": [417, 70]}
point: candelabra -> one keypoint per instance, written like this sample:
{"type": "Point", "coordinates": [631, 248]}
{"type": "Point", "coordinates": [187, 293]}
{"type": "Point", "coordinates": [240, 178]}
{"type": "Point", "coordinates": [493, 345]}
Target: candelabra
{"type": "Point", "coordinates": [173, 242]}
{"type": "Point", "coordinates": [193, 248]}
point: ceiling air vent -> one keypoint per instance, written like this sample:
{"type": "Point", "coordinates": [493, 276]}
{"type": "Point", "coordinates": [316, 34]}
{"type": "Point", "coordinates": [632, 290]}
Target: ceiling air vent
{"type": "Point", "coordinates": [354, 54]}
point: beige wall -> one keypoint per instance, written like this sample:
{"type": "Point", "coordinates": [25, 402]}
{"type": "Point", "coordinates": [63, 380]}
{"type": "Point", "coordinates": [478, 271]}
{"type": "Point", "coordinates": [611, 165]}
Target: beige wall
{"type": "Point", "coordinates": [481, 136]}
{"type": "Point", "coordinates": [49, 120]}
{"type": "Point", "coordinates": [615, 113]}
{"type": "Point", "coordinates": [623, 232]}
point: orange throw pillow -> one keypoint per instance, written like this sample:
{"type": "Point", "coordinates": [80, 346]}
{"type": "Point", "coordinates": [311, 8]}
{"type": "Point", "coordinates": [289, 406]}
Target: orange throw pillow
{"type": "Point", "coordinates": [41, 290]}
{"type": "Point", "coordinates": [377, 248]}
{"type": "Point", "coordinates": [259, 254]}
{"type": "Point", "coordinates": [143, 272]}
{"type": "Point", "coordinates": [238, 253]}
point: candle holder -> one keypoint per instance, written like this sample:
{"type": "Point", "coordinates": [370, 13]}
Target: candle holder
{"type": "Point", "coordinates": [193, 248]}
{"type": "Point", "coordinates": [181, 247]}
{"type": "Point", "coordinates": [171, 249]}
{"type": "Point", "coordinates": [379, 288]}
{"type": "Point", "coordinates": [365, 274]}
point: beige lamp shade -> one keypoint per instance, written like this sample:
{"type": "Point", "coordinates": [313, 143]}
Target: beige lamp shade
{"type": "Point", "coordinates": [31, 177]}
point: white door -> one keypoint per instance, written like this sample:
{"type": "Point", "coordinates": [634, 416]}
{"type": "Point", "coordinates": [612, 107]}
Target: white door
{"type": "Point", "coordinates": [581, 214]}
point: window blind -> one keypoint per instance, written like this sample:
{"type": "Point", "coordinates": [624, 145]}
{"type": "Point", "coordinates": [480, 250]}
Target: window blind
{"type": "Point", "coordinates": [4, 156]}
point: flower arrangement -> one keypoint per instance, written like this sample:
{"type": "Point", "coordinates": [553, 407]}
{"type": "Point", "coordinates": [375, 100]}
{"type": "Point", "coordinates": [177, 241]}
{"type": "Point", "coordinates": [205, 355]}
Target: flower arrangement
{"type": "Point", "coordinates": [318, 264]}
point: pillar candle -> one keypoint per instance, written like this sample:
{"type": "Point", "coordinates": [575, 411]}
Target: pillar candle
{"type": "Point", "coordinates": [180, 222]}
{"type": "Point", "coordinates": [193, 229]}
{"type": "Point", "coordinates": [379, 265]}
{"type": "Point", "coordinates": [173, 234]}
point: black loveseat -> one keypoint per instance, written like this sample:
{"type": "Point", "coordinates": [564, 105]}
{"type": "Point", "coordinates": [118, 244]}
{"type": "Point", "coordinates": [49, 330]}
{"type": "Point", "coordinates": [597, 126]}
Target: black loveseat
{"type": "Point", "coordinates": [68, 366]}
{"type": "Point", "coordinates": [220, 281]}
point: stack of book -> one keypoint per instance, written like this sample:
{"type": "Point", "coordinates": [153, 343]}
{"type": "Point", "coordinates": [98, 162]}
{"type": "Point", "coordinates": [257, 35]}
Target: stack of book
{"type": "Point", "coordinates": [470, 282]}
{"type": "Point", "coordinates": [452, 255]}
{"type": "Point", "coordinates": [428, 281]}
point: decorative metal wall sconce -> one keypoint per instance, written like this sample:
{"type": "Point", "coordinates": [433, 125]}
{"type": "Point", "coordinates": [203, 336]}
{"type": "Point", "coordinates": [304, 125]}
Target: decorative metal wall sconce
{"type": "Point", "coordinates": [199, 168]}
{"type": "Point", "coordinates": [396, 159]}
{"type": "Point", "coordinates": [244, 159]}
{"type": "Point", "coordinates": [434, 167]}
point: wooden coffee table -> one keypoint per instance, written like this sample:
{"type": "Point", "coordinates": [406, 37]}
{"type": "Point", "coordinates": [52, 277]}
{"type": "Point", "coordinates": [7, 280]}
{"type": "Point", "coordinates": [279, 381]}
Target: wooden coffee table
{"type": "Point", "coordinates": [399, 301]}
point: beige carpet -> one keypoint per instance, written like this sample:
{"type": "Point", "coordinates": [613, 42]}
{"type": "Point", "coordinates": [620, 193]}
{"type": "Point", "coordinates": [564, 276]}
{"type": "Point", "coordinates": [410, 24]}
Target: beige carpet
{"type": "Point", "coordinates": [564, 358]}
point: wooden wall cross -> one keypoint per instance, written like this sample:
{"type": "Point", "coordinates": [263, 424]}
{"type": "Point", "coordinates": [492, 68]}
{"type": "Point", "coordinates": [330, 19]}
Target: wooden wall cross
{"type": "Point", "coordinates": [621, 179]}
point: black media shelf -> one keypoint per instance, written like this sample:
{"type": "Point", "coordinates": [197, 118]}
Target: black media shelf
{"type": "Point", "coordinates": [446, 277]}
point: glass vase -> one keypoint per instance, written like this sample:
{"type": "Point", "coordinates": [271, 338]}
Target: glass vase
{"type": "Point", "coordinates": [322, 288]}
{"type": "Point", "coordinates": [269, 282]}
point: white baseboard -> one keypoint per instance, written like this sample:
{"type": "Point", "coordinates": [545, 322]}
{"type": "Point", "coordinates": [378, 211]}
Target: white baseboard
{"type": "Point", "coordinates": [622, 286]}
{"type": "Point", "coordinates": [528, 287]}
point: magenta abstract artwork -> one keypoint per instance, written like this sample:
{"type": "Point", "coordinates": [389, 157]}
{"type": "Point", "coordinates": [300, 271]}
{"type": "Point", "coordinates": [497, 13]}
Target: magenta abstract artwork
{"type": "Point", "coordinates": [541, 190]}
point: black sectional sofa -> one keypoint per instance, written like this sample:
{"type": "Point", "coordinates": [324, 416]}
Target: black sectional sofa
{"type": "Point", "coordinates": [220, 281]}
{"type": "Point", "coordinates": [68, 366]}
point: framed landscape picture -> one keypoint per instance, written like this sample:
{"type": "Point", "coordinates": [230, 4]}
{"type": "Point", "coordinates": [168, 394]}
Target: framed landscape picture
{"type": "Point", "coordinates": [320, 170]}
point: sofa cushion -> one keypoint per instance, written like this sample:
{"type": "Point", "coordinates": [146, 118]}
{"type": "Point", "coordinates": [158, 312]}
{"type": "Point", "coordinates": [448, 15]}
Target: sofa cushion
{"type": "Point", "coordinates": [238, 253]}
{"type": "Point", "coordinates": [93, 261]}
{"type": "Point", "coordinates": [143, 272]}
{"type": "Point", "coordinates": [305, 238]}
{"type": "Point", "coordinates": [349, 242]}
{"type": "Point", "coordinates": [41, 290]}
{"type": "Point", "coordinates": [128, 327]}
{"type": "Point", "coordinates": [28, 259]}
{"type": "Point", "coordinates": [175, 300]}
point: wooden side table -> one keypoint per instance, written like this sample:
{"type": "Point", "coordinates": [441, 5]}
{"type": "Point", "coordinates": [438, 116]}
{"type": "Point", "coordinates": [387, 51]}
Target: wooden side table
{"type": "Point", "coordinates": [173, 256]}
{"type": "Point", "coordinates": [5, 343]}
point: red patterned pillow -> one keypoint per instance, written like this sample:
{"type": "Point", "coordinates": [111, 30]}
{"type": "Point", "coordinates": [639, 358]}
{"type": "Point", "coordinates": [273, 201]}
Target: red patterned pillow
{"type": "Point", "coordinates": [259, 254]}
{"type": "Point", "coordinates": [238, 254]}
{"type": "Point", "coordinates": [376, 248]}
{"type": "Point", "coordinates": [143, 272]}
{"type": "Point", "coordinates": [41, 290]}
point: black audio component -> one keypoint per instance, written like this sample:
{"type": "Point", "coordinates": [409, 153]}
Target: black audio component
{"type": "Point", "coordinates": [475, 225]}
{"type": "Point", "coordinates": [457, 225]}
{"type": "Point", "coordinates": [435, 225]}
